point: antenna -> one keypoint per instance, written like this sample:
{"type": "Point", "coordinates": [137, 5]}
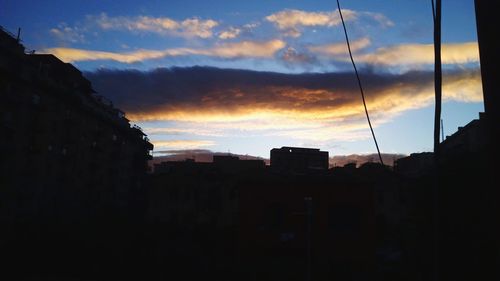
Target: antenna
{"type": "Point", "coordinates": [442, 130]}
{"type": "Point", "coordinates": [18, 35]}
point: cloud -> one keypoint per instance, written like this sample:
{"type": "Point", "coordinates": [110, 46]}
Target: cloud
{"type": "Point", "coordinates": [291, 22]}
{"type": "Point", "coordinates": [67, 34]}
{"type": "Point", "coordinates": [182, 144]}
{"type": "Point", "coordinates": [253, 49]}
{"type": "Point", "coordinates": [190, 27]}
{"type": "Point", "coordinates": [181, 131]}
{"type": "Point", "coordinates": [381, 19]}
{"type": "Point", "coordinates": [292, 56]}
{"type": "Point", "coordinates": [230, 33]}
{"type": "Point", "coordinates": [313, 107]}
{"type": "Point", "coordinates": [404, 56]}
{"type": "Point", "coordinates": [73, 55]}
{"type": "Point", "coordinates": [252, 25]}
{"type": "Point", "coordinates": [418, 54]}
{"type": "Point", "coordinates": [340, 49]}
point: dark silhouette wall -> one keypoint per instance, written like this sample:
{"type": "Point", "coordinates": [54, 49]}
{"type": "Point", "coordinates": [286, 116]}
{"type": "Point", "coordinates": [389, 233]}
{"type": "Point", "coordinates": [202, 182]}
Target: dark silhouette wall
{"type": "Point", "coordinates": [72, 169]}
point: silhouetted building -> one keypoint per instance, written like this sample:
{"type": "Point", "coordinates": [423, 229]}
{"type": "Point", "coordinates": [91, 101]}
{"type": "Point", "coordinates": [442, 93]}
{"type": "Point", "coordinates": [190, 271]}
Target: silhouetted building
{"type": "Point", "coordinates": [220, 163]}
{"type": "Point", "coordinates": [72, 172]}
{"type": "Point", "coordinates": [486, 21]}
{"type": "Point", "coordinates": [66, 151]}
{"type": "Point", "coordinates": [298, 159]}
{"type": "Point", "coordinates": [450, 208]}
{"type": "Point", "coordinates": [468, 141]}
{"type": "Point", "coordinates": [415, 165]}
{"type": "Point", "coordinates": [193, 193]}
{"type": "Point", "coordinates": [246, 218]}
{"type": "Point", "coordinates": [467, 206]}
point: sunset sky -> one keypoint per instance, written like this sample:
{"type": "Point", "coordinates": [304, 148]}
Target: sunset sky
{"type": "Point", "coordinates": [247, 76]}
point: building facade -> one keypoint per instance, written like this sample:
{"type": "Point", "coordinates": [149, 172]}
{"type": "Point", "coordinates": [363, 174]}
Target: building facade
{"type": "Point", "coordinates": [298, 159]}
{"type": "Point", "coordinates": [65, 151]}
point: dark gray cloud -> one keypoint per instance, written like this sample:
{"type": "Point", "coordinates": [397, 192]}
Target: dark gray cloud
{"type": "Point", "coordinates": [231, 90]}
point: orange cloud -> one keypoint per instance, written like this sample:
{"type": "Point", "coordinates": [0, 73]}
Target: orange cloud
{"type": "Point", "coordinates": [417, 54]}
{"type": "Point", "coordinates": [181, 131]}
{"type": "Point", "coordinates": [254, 49]}
{"type": "Point", "coordinates": [313, 115]}
{"type": "Point", "coordinates": [404, 55]}
{"type": "Point", "coordinates": [182, 144]}
{"type": "Point", "coordinates": [73, 55]}
{"type": "Point", "coordinates": [311, 107]}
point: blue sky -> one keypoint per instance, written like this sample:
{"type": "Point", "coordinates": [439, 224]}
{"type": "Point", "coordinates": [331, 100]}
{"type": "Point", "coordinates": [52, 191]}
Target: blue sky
{"type": "Point", "coordinates": [123, 43]}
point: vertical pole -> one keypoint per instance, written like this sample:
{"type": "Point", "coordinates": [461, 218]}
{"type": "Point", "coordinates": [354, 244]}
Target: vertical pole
{"type": "Point", "coordinates": [437, 75]}
{"type": "Point", "coordinates": [437, 119]}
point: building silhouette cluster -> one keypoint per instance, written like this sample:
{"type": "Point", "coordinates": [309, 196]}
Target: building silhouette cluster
{"type": "Point", "coordinates": [242, 218]}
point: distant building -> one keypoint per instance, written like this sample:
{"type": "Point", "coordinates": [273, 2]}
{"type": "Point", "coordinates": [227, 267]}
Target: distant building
{"type": "Point", "coordinates": [197, 193]}
{"type": "Point", "coordinates": [65, 151]}
{"type": "Point", "coordinates": [221, 163]}
{"type": "Point", "coordinates": [298, 159]}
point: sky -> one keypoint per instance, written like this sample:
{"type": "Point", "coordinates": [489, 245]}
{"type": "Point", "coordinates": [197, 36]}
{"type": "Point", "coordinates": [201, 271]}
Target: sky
{"type": "Point", "coordinates": [247, 76]}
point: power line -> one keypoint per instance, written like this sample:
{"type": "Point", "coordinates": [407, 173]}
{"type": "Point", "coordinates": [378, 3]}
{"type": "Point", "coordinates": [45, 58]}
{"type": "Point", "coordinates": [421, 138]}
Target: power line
{"type": "Point", "coordinates": [359, 84]}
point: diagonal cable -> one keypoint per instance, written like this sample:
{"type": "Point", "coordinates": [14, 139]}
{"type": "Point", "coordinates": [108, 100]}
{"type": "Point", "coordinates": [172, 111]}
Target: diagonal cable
{"type": "Point", "coordinates": [359, 83]}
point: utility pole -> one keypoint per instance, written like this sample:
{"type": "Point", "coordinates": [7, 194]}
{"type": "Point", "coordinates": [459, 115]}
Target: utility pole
{"type": "Point", "coordinates": [436, 14]}
{"type": "Point", "coordinates": [437, 73]}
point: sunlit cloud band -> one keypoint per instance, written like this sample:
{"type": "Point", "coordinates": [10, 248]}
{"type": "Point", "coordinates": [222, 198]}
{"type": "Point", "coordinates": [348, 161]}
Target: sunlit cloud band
{"type": "Point", "coordinates": [253, 49]}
